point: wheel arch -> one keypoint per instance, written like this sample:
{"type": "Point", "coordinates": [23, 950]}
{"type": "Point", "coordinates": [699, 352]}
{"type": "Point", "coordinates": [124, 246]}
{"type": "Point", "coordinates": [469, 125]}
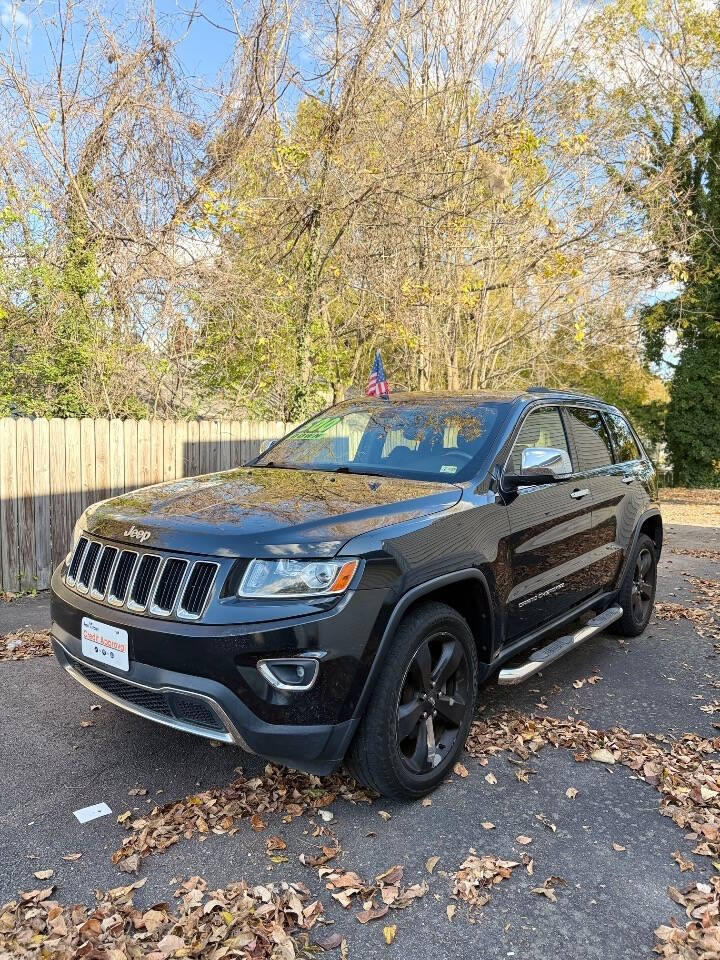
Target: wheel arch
{"type": "Point", "coordinates": [474, 605]}
{"type": "Point", "coordinates": [652, 525]}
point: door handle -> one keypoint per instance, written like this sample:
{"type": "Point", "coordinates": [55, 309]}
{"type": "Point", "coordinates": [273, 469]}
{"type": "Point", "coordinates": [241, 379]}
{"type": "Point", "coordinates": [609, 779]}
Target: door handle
{"type": "Point", "coordinates": [628, 479]}
{"type": "Point", "coordinates": [579, 494]}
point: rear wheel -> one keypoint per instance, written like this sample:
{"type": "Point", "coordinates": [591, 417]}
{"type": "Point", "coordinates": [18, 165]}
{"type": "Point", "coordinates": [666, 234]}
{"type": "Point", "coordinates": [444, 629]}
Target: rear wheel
{"type": "Point", "coordinates": [637, 593]}
{"type": "Point", "coordinates": [420, 712]}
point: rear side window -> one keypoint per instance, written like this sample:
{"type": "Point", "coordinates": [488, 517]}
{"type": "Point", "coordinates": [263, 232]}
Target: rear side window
{"type": "Point", "coordinates": [624, 442]}
{"type": "Point", "coordinates": [591, 438]}
{"type": "Point", "coordinates": [541, 428]}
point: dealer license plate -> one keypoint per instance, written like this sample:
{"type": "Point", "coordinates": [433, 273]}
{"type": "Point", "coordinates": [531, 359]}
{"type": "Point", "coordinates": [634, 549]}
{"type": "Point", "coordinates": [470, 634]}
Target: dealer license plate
{"type": "Point", "coordinates": [106, 644]}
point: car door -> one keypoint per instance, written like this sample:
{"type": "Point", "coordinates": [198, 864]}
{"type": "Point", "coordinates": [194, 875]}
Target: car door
{"type": "Point", "coordinates": [627, 495]}
{"type": "Point", "coordinates": [550, 531]}
{"type": "Point", "coordinates": [609, 489]}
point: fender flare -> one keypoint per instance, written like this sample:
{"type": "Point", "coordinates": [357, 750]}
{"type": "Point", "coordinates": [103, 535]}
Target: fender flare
{"type": "Point", "coordinates": [416, 593]}
{"type": "Point", "coordinates": [652, 512]}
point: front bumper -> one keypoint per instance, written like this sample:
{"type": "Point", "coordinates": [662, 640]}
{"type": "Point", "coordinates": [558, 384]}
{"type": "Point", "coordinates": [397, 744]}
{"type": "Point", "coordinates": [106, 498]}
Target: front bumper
{"type": "Point", "coordinates": [207, 709]}
{"type": "Point", "coordinates": [203, 678]}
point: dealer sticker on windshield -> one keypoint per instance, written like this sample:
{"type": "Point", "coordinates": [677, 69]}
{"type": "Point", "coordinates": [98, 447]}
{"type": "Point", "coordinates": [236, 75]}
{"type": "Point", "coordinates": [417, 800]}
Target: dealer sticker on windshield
{"type": "Point", "coordinates": [106, 644]}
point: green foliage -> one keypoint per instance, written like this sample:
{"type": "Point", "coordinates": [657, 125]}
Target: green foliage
{"type": "Point", "coordinates": [693, 418]}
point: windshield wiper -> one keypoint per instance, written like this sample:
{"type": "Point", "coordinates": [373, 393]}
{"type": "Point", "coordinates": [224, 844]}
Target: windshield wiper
{"type": "Point", "coordinates": [358, 473]}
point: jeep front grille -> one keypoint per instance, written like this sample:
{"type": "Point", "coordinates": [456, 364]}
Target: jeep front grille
{"type": "Point", "coordinates": [141, 581]}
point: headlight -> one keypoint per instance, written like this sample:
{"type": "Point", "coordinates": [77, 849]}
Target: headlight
{"type": "Point", "coordinates": [297, 578]}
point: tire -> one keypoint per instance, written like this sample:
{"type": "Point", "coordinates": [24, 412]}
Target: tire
{"type": "Point", "coordinates": [637, 591]}
{"type": "Point", "coordinates": [433, 645]}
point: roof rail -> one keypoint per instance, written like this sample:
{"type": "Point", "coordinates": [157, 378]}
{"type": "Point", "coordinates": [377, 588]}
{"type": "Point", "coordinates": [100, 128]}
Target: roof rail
{"type": "Point", "coordinates": [563, 391]}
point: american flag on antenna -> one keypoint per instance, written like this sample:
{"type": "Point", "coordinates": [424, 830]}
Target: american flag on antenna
{"type": "Point", "coordinates": [377, 385]}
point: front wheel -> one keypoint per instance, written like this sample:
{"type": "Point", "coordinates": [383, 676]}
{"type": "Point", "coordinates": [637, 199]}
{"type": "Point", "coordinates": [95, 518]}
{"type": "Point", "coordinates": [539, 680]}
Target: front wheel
{"type": "Point", "coordinates": [637, 592]}
{"type": "Point", "coordinates": [420, 712]}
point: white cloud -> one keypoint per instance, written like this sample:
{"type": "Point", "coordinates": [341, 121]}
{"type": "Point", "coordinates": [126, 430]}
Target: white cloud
{"type": "Point", "coordinates": [12, 17]}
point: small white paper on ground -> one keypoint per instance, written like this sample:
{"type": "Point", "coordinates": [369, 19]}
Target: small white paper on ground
{"type": "Point", "coordinates": [93, 812]}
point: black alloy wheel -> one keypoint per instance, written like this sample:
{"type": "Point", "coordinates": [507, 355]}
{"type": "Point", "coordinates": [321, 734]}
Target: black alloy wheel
{"type": "Point", "coordinates": [636, 595]}
{"type": "Point", "coordinates": [422, 705]}
{"type": "Point", "coordinates": [432, 703]}
{"type": "Point", "coordinates": [642, 591]}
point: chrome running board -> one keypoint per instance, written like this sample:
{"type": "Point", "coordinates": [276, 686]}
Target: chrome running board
{"type": "Point", "coordinates": [543, 657]}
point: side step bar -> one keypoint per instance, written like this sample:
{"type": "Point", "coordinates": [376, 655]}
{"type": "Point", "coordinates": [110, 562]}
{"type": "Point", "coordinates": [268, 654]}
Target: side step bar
{"type": "Point", "coordinates": [543, 657]}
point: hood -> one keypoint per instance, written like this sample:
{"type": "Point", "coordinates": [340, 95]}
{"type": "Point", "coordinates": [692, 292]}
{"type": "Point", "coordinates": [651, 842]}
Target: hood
{"type": "Point", "coordinates": [264, 512]}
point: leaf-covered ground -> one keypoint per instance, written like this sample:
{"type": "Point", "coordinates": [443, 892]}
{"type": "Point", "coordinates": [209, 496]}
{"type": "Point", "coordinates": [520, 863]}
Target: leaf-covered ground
{"type": "Point", "coordinates": [584, 819]}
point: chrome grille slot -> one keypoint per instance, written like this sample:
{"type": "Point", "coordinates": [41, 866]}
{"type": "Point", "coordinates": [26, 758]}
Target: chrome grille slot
{"type": "Point", "coordinates": [87, 567]}
{"type": "Point", "coordinates": [77, 557]}
{"type": "Point", "coordinates": [168, 586]}
{"type": "Point", "coordinates": [121, 577]}
{"type": "Point", "coordinates": [197, 590]}
{"type": "Point", "coordinates": [144, 579]}
{"type": "Point", "coordinates": [102, 572]}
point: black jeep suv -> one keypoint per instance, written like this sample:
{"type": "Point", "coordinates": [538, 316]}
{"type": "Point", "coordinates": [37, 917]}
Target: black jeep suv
{"type": "Point", "coordinates": [343, 596]}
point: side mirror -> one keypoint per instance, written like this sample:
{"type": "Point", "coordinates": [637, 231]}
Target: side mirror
{"type": "Point", "coordinates": [265, 445]}
{"type": "Point", "coordinates": [539, 465]}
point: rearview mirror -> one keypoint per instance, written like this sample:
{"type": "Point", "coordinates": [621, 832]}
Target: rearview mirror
{"type": "Point", "coordinates": [539, 465]}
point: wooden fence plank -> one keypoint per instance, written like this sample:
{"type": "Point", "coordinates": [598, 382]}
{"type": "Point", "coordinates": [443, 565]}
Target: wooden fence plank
{"type": "Point", "coordinates": [235, 444]}
{"type": "Point", "coordinates": [204, 446]}
{"type": "Point", "coordinates": [41, 501]}
{"type": "Point", "coordinates": [214, 445]}
{"type": "Point", "coordinates": [117, 458]}
{"type": "Point", "coordinates": [193, 440]}
{"type": "Point", "coordinates": [131, 452]}
{"type": "Point", "coordinates": [168, 450]}
{"type": "Point", "coordinates": [156, 451]}
{"type": "Point", "coordinates": [9, 572]}
{"type": "Point", "coordinates": [102, 459]}
{"type": "Point", "coordinates": [180, 448]}
{"type": "Point", "coordinates": [59, 534]}
{"type": "Point", "coordinates": [244, 441]}
{"type": "Point", "coordinates": [144, 456]}
{"type": "Point", "coordinates": [73, 476]}
{"type": "Point", "coordinates": [87, 462]}
{"type": "Point", "coordinates": [27, 566]}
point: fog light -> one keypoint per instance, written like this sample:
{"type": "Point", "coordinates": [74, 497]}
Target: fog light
{"type": "Point", "coordinates": [296, 673]}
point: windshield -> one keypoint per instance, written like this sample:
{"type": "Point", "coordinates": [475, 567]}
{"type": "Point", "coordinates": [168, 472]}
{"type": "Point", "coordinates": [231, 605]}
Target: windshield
{"type": "Point", "coordinates": [432, 438]}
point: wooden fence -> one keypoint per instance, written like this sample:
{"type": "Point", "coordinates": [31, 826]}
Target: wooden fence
{"type": "Point", "coordinates": [51, 470]}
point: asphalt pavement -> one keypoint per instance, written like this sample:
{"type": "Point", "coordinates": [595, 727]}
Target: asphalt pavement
{"type": "Point", "coordinates": [51, 765]}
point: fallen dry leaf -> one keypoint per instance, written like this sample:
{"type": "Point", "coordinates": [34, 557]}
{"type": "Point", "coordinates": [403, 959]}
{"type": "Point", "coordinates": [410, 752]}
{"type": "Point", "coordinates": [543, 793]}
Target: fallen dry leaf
{"type": "Point", "coordinates": [619, 847]}
{"type": "Point", "coordinates": [384, 815]}
{"type": "Point", "coordinates": [487, 825]}
{"type": "Point", "coordinates": [461, 770]}
{"type": "Point", "coordinates": [431, 863]}
{"type": "Point", "coordinates": [365, 916]}
{"type": "Point", "coordinates": [389, 933]}
{"type": "Point", "coordinates": [523, 840]}
{"type": "Point", "coordinates": [682, 862]}
{"type": "Point", "coordinates": [43, 874]}
{"type": "Point", "coordinates": [491, 778]}
{"type": "Point", "coordinates": [602, 755]}
{"type": "Point", "coordinates": [571, 793]}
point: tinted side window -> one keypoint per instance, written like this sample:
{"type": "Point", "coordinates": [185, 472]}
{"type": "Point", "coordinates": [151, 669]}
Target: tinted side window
{"type": "Point", "coordinates": [591, 438]}
{"type": "Point", "coordinates": [541, 428]}
{"type": "Point", "coordinates": [623, 440]}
